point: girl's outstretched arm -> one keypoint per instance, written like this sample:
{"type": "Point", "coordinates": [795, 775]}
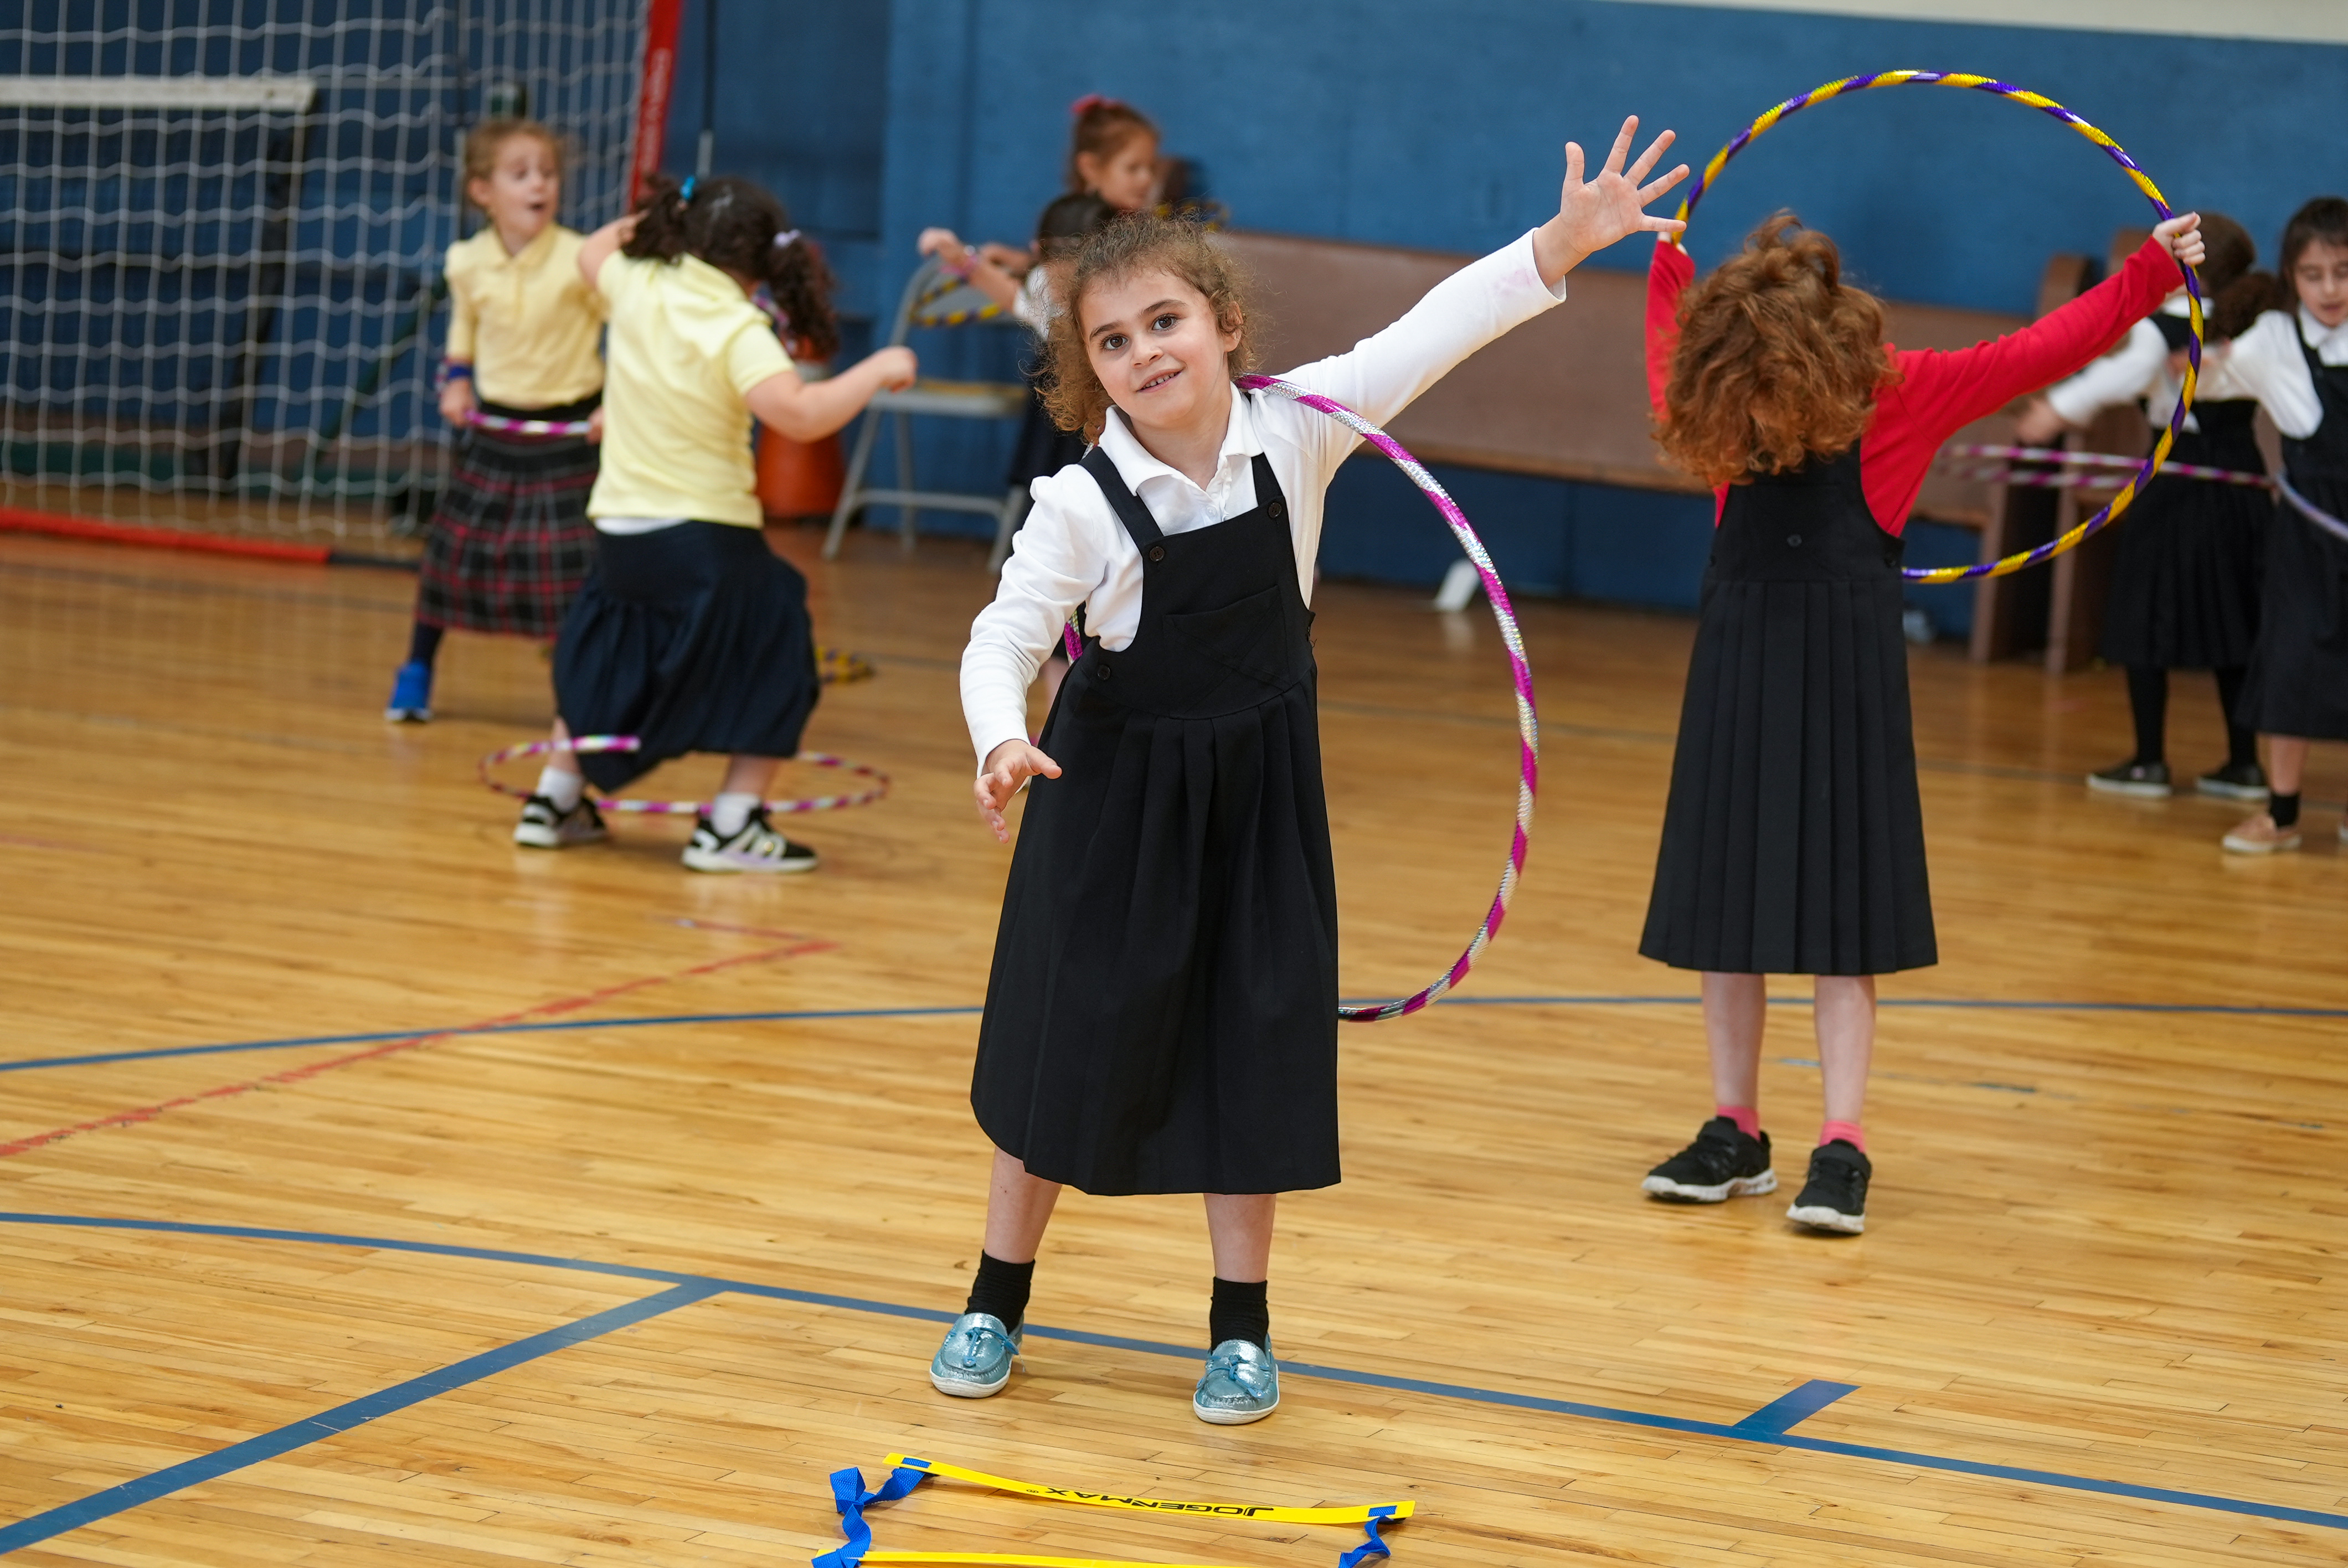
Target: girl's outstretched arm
{"type": "Point", "coordinates": [604, 245]}
{"type": "Point", "coordinates": [975, 267]}
{"type": "Point", "coordinates": [1593, 214]}
{"type": "Point", "coordinates": [1384, 373]}
{"type": "Point", "coordinates": [811, 410]}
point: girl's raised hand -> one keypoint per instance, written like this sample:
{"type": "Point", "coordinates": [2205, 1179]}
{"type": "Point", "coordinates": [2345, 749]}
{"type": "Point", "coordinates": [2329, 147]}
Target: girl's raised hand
{"type": "Point", "coordinates": [2181, 238]}
{"type": "Point", "coordinates": [1008, 766]}
{"type": "Point", "coordinates": [1593, 214]}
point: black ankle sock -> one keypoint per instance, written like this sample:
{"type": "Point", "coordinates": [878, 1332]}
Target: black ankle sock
{"type": "Point", "coordinates": [2284, 809]}
{"type": "Point", "coordinates": [1001, 1289]}
{"type": "Point", "coordinates": [2148, 705]}
{"type": "Point", "coordinates": [2241, 741]}
{"type": "Point", "coordinates": [424, 643]}
{"type": "Point", "coordinates": [1239, 1312]}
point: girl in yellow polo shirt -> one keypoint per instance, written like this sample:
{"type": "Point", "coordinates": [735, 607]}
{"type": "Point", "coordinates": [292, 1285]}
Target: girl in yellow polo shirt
{"type": "Point", "coordinates": [509, 543]}
{"type": "Point", "coordinates": [691, 634]}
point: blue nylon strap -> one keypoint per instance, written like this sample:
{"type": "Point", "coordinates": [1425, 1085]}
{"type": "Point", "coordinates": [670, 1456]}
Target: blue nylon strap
{"type": "Point", "coordinates": [1373, 1547]}
{"type": "Point", "coordinates": [848, 1495]}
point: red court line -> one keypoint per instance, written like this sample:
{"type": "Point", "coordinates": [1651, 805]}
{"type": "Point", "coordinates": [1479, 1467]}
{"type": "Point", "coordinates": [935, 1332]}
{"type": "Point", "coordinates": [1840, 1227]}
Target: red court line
{"type": "Point", "coordinates": [797, 948]}
{"type": "Point", "coordinates": [56, 525]}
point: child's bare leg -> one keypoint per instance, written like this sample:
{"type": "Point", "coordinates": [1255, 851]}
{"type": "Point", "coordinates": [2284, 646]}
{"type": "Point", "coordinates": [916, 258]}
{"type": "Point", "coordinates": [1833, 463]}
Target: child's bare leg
{"type": "Point", "coordinates": [750, 775]}
{"type": "Point", "coordinates": [1736, 1010]}
{"type": "Point", "coordinates": [2277, 827]}
{"type": "Point", "coordinates": [1018, 1207]}
{"type": "Point", "coordinates": [1239, 1227]}
{"type": "Point", "coordinates": [1846, 1025]}
{"type": "Point", "coordinates": [2286, 762]}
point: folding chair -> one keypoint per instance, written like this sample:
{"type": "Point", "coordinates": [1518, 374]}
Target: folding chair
{"type": "Point", "coordinates": [933, 298]}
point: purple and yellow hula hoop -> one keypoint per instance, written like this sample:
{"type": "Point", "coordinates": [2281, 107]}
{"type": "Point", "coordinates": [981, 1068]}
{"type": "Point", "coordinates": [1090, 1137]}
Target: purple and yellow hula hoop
{"type": "Point", "coordinates": [2044, 105]}
{"type": "Point", "coordinates": [1528, 723]}
{"type": "Point", "coordinates": [585, 744]}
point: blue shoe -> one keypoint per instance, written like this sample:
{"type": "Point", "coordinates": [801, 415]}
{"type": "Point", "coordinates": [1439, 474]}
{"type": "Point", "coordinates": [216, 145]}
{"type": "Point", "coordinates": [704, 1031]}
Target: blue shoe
{"type": "Point", "coordinates": [975, 1360]}
{"type": "Point", "coordinates": [1240, 1384]}
{"type": "Point", "coordinates": [411, 695]}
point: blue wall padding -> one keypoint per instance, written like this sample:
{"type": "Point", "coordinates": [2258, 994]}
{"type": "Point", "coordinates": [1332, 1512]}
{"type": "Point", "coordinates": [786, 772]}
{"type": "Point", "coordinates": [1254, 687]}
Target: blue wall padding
{"type": "Point", "coordinates": [1395, 122]}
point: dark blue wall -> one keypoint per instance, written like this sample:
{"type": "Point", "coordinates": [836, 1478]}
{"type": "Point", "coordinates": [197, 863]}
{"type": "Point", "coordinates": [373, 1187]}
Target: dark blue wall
{"type": "Point", "coordinates": [1438, 125]}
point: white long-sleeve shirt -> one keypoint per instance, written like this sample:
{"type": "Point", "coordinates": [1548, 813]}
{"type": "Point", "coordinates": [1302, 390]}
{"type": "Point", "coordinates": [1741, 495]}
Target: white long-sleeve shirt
{"type": "Point", "coordinates": [2267, 364]}
{"type": "Point", "coordinates": [1073, 549]}
{"type": "Point", "coordinates": [2139, 367]}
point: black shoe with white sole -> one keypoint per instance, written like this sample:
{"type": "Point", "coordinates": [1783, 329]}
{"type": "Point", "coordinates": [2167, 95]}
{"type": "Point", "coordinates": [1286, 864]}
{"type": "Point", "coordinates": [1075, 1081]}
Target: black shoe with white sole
{"type": "Point", "coordinates": [546, 826]}
{"type": "Point", "coordinates": [2145, 781]}
{"type": "Point", "coordinates": [1834, 1198]}
{"type": "Point", "coordinates": [2235, 781]}
{"type": "Point", "coordinates": [1724, 1162]}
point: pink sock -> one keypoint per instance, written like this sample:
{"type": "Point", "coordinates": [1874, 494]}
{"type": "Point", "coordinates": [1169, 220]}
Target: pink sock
{"type": "Point", "coordinates": [1846, 1131]}
{"type": "Point", "coordinates": [1747, 1120]}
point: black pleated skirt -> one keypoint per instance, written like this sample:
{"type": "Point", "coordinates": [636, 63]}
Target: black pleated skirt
{"type": "Point", "coordinates": [2186, 569]}
{"type": "Point", "coordinates": [694, 638]}
{"type": "Point", "coordinates": [2298, 684]}
{"type": "Point", "coordinates": [1794, 835]}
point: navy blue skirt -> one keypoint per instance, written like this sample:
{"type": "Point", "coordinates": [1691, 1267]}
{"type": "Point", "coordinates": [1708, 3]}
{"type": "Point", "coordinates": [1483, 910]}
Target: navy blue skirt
{"type": "Point", "coordinates": [694, 638]}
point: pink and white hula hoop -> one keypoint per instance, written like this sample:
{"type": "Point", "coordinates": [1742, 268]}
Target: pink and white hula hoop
{"type": "Point", "coordinates": [685, 807]}
{"type": "Point", "coordinates": [1528, 722]}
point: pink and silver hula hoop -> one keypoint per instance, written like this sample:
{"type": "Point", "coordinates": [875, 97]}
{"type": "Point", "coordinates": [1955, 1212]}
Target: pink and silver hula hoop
{"type": "Point", "coordinates": [1528, 723]}
{"type": "Point", "coordinates": [685, 807]}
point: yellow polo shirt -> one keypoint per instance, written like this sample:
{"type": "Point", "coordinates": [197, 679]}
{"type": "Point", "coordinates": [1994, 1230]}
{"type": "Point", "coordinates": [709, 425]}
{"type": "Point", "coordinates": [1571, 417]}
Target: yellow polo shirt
{"type": "Point", "coordinates": [527, 322]}
{"type": "Point", "coordinates": [687, 346]}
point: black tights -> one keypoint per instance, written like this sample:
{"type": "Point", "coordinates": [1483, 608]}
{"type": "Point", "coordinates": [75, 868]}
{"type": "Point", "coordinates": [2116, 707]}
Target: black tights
{"type": "Point", "coordinates": [2149, 700]}
{"type": "Point", "coordinates": [422, 643]}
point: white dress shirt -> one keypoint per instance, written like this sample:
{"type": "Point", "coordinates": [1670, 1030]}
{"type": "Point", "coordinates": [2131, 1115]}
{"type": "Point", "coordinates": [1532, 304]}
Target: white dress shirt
{"type": "Point", "coordinates": [2266, 361]}
{"type": "Point", "coordinates": [1073, 549]}
{"type": "Point", "coordinates": [2139, 367]}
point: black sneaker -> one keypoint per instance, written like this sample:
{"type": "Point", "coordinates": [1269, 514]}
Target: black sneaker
{"type": "Point", "coordinates": [757, 849]}
{"type": "Point", "coordinates": [1834, 1198]}
{"type": "Point", "coordinates": [2235, 781]}
{"type": "Point", "coordinates": [2146, 781]}
{"type": "Point", "coordinates": [1724, 1162]}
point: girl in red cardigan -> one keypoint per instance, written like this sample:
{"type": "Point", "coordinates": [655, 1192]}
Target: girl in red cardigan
{"type": "Point", "coordinates": [1794, 839]}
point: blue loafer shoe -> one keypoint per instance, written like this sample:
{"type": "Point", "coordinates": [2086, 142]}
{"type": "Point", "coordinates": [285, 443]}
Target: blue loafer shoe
{"type": "Point", "coordinates": [975, 1360]}
{"type": "Point", "coordinates": [411, 695]}
{"type": "Point", "coordinates": [1240, 1384]}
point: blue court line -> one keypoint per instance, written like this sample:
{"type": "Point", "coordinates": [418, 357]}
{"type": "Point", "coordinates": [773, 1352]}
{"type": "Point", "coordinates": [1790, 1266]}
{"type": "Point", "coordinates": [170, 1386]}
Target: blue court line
{"type": "Point", "coordinates": [1767, 1426]}
{"type": "Point", "coordinates": [309, 1429]}
{"type": "Point", "coordinates": [559, 1026]}
{"type": "Point", "coordinates": [1784, 1413]}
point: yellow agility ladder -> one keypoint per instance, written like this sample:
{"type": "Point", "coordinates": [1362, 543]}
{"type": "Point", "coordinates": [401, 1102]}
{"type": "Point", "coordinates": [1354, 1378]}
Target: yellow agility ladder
{"type": "Point", "coordinates": [906, 1472]}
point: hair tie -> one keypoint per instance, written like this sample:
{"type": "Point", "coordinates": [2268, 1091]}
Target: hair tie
{"type": "Point", "coordinates": [1089, 102]}
{"type": "Point", "coordinates": [788, 237]}
{"type": "Point", "coordinates": [684, 192]}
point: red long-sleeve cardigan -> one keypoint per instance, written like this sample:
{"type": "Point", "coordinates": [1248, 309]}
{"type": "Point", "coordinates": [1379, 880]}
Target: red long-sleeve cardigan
{"type": "Point", "coordinates": [1940, 392]}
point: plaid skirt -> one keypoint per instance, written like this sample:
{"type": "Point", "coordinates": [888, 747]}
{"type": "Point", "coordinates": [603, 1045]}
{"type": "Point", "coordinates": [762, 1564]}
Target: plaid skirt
{"type": "Point", "coordinates": [510, 543]}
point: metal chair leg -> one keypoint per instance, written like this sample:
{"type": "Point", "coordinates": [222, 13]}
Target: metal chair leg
{"type": "Point", "coordinates": [851, 487]}
{"type": "Point", "coordinates": [907, 517]}
{"type": "Point", "coordinates": [1006, 525]}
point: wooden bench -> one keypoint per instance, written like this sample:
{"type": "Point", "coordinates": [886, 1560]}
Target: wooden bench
{"type": "Point", "coordinates": [1566, 396]}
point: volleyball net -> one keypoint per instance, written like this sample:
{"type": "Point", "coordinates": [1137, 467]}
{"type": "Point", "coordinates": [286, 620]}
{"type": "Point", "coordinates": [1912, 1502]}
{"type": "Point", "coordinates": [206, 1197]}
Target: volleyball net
{"type": "Point", "coordinates": [222, 228]}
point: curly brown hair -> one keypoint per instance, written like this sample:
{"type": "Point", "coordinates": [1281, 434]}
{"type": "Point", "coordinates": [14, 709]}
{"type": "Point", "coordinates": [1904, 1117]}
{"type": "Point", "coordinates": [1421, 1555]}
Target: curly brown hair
{"type": "Point", "coordinates": [1139, 243]}
{"type": "Point", "coordinates": [1779, 361]}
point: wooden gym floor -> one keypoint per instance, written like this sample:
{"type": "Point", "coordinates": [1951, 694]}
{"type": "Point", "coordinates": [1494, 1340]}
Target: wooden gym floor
{"type": "Point", "coordinates": [597, 1209]}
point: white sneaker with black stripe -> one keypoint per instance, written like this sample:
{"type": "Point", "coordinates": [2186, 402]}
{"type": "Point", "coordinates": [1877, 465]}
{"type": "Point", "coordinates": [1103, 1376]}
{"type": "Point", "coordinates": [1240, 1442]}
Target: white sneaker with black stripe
{"type": "Point", "coordinates": [545, 826]}
{"type": "Point", "coordinates": [758, 850]}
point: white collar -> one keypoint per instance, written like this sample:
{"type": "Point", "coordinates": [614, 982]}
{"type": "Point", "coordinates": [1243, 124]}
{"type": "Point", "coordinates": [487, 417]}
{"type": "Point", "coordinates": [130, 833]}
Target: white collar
{"type": "Point", "coordinates": [1242, 443]}
{"type": "Point", "coordinates": [2318, 337]}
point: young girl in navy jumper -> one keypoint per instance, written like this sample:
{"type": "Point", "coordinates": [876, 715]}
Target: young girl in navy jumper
{"type": "Point", "coordinates": [1794, 837]}
{"type": "Point", "coordinates": [509, 543]}
{"type": "Point", "coordinates": [693, 635]}
{"type": "Point", "coordinates": [2185, 570]}
{"type": "Point", "coordinates": [2295, 361]}
{"type": "Point", "coordinates": [1162, 1013]}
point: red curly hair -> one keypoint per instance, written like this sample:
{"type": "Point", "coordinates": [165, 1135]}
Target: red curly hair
{"type": "Point", "coordinates": [1779, 361]}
